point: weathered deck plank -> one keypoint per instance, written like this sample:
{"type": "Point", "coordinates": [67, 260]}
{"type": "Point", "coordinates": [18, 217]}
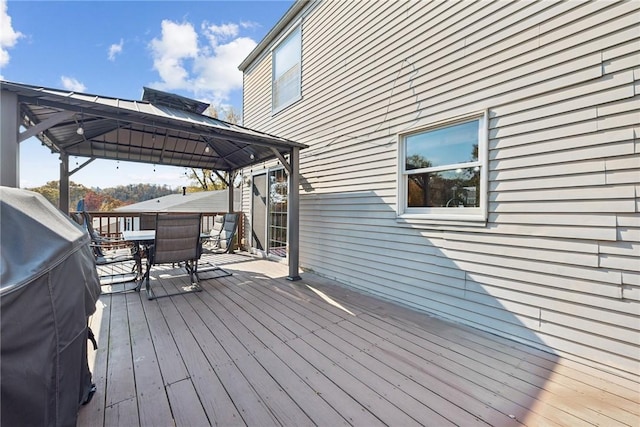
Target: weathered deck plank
{"type": "Point", "coordinates": [99, 324]}
{"type": "Point", "coordinates": [184, 402]}
{"type": "Point", "coordinates": [492, 387]}
{"type": "Point", "coordinates": [120, 378]}
{"type": "Point", "coordinates": [153, 404]}
{"type": "Point", "coordinates": [203, 323]}
{"type": "Point", "coordinates": [213, 397]}
{"type": "Point", "coordinates": [256, 349]}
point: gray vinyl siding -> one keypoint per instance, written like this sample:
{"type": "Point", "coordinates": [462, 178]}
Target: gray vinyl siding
{"type": "Point", "coordinates": [557, 263]}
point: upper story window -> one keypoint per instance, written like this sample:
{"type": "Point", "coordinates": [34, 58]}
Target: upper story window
{"type": "Point", "coordinates": [287, 70]}
{"type": "Point", "coordinates": [443, 171]}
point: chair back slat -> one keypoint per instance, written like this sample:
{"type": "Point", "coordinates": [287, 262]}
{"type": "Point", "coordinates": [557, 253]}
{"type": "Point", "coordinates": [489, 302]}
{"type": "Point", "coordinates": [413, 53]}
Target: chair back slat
{"type": "Point", "coordinates": [229, 230]}
{"type": "Point", "coordinates": [177, 238]}
{"type": "Point", "coordinates": [147, 221]}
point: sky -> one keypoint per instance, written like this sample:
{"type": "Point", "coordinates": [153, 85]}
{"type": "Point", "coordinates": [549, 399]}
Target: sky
{"type": "Point", "coordinates": [114, 49]}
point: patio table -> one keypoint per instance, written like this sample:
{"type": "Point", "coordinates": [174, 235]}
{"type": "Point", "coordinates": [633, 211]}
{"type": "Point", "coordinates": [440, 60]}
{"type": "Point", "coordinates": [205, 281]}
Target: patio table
{"type": "Point", "coordinates": [143, 239]}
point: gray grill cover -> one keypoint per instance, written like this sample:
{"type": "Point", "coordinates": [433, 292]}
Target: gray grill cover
{"type": "Point", "coordinates": [48, 289]}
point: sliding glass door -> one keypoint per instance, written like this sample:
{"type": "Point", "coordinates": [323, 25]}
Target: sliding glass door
{"type": "Point", "coordinates": [270, 192]}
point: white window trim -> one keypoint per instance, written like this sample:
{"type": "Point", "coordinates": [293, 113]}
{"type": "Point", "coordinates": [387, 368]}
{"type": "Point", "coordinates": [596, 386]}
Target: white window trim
{"type": "Point", "coordinates": [446, 215]}
{"type": "Point", "coordinates": [294, 27]}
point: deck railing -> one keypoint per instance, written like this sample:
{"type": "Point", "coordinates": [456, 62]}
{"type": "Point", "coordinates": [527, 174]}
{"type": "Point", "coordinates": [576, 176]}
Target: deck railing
{"type": "Point", "coordinates": [111, 224]}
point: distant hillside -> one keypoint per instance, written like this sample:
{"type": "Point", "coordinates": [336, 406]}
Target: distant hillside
{"type": "Point", "coordinates": [105, 199]}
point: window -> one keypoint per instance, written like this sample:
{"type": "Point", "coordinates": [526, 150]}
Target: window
{"type": "Point", "coordinates": [287, 70]}
{"type": "Point", "coordinates": [443, 171]}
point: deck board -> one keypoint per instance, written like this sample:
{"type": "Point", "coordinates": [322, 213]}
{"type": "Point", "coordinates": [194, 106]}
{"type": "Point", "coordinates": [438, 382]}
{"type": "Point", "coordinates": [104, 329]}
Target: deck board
{"type": "Point", "coordinates": [99, 324]}
{"type": "Point", "coordinates": [153, 403]}
{"type": "Point", "coordinates": [183, 395]}
{"type": "Point", "coordinates": [120, 381]}
{"type": "Point", "coordinates": [256, 349]}
{"type": "Point", "coordinates": [389, 384]}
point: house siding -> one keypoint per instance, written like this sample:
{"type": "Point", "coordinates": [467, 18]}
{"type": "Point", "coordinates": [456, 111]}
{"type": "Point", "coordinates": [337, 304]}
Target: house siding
{"type": "Point", "coordinates": [557, 264]}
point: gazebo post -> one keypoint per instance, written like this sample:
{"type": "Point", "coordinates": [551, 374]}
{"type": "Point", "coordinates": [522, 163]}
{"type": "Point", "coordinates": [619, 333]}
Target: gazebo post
{"type": "Point", "coordinates": [9, 143]}
{"type": "Point", "coordinates": [230, 190]}
{"type": "Point", "coordinates": [293, 244]}
{"type": "Point", "coordinates": [64, 183]}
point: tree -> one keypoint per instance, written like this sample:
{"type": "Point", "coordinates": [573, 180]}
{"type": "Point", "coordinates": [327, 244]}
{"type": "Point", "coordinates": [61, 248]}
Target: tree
{"type": "Point", "coordinates": [110, 204]}
{"type": "Point", "coordinates": [51, 191]}
{"type": "Point", "coordinates": [418, 191]}
{"type": "Point", "coordinates": [206, 179]}
{"type": "Point", "coordinates": [103, 200]}
{"type": "Point", "coordinates": [92, 201]}
{"type": "Point", "coordinates": [231, 115]}
{"type": "Point", "coordinates": [226, 113]}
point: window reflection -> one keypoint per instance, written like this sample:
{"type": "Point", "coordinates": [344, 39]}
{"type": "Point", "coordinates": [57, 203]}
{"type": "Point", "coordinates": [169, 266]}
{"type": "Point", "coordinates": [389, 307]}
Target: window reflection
{"type": "Point", "coordinates": [446, 189]}
{"type": "Point", "coordinates": [287, 70]}
{"type": "Point", "coordinates": [445, 146]}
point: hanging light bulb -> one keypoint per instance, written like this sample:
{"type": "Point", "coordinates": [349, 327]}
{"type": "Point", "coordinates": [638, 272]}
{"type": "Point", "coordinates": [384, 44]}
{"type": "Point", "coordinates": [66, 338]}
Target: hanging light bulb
{"type": "Point", "coordinates": [80, 130]}
{"type": "Point", "coordinates": [207, 149]}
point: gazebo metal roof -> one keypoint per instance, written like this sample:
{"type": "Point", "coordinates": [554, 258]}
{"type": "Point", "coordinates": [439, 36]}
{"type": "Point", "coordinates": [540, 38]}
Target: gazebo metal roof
{"type": "Point", "coordinates": [163, 129]}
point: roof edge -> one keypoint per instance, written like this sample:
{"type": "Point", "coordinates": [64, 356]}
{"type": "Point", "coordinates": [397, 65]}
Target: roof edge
{"type": "Point", "coordinates": [273, 33]}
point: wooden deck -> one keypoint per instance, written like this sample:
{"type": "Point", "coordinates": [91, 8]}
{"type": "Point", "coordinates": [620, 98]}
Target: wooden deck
{"type": "Point", "coordinates": [255, 349]}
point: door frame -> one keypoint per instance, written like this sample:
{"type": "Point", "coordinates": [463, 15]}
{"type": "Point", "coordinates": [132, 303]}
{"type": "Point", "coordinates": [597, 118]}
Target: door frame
{"type": "Point", "coordinates": [266, 251]}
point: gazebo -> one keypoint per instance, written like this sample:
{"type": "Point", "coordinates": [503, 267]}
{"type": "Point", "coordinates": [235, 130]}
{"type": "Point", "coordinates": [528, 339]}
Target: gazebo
{"type": "Point", "coordinates": [162, 129]}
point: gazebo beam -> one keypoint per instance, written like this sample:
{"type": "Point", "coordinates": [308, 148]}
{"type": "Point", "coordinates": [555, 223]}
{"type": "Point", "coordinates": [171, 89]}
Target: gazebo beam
{"type": "Point", "coordinates": [42, 126]}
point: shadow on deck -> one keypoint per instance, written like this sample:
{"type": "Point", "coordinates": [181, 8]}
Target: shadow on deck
{"type": "Point", "coordinates": [255, 349]}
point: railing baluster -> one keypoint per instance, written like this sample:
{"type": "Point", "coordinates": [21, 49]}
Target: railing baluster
{"type": "Point", "coordinates": [111, 224]}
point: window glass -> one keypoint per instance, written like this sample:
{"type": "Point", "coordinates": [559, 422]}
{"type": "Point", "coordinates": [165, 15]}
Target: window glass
{"type": "Point", "coordinates": [445, 189]}
{"type": "Point", "coordinates": [278, 195]}
{"type": "Point", "coordinates": [286, 70]}
{"type": "Point", "coordinates": [445, 146]}
{"type": "Point", "coordinates": [443, 171]}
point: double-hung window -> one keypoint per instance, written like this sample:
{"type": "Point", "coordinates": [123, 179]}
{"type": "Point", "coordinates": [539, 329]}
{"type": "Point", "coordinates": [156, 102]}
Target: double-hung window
{"type": "Point", "coordinates": [287, 70]}
{"type": "Point", "coordinates": [442, 171]}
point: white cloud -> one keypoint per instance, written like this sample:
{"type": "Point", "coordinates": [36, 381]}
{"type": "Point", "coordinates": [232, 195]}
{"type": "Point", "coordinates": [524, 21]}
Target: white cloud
{"type": "Point", "coordinates": [115, 49]}
{"type": "Point", "coordinates": [179, 42]}
{"type": "Point", "coordinates": [72, 84]}
{"type": "Point", "coordinates": [217, 33]}
{"type": "Point", "coordinates": [205, 63]}
{"type": "Point", "coordinates": [218, 74]}
{"type": "Point", "coordinates": [8, 36]}
{"type": "Point", "coordinates": [250, 24]}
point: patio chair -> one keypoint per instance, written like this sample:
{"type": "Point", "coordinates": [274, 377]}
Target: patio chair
{"type": "Point", "coordinates": [224, 244]}
{"type": "Point", "coordinates": [147, 221]}
{"type": "Point", "coordinates": [177, 241]}
{"type": "Point", "coordinates": [111, 253]}
{"type": "Point", "coordinates": [213, 241]}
